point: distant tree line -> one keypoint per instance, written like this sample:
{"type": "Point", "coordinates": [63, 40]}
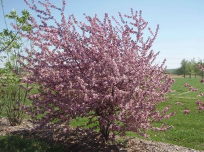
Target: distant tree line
{"type": "Point", "coordinates": [190, 68]}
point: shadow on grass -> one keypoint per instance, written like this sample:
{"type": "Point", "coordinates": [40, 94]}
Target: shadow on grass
{"type": "Point", "coordinates": [79, 140]}
{"type": "Point", "coordinates": [14, 143]}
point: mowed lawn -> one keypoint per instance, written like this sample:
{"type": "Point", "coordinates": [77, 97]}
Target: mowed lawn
{"type": "Point", "coordinates": [188, 130]}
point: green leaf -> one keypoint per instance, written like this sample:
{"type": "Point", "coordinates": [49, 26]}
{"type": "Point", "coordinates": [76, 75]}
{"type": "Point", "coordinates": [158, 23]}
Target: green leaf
{"type": "Point", "coordinates": [20, 20]}
{"type": "Point", "coordinates": [27, 28]}
{"type": "Point", "coordinates": [25, 13]}
{"type": "Point", "coordinates": [12, 15]}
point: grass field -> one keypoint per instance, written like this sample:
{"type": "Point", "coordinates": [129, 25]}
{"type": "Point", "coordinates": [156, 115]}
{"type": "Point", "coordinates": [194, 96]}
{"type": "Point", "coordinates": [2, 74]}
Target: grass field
{"type": "Point", "coordinates": [188, 130]}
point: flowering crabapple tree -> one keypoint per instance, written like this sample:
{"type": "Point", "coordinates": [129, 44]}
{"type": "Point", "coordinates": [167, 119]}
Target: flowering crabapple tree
{"type": "Point", "coordinates": [199, 103]}
{"type": "Point", "coordinates": [102, 70]}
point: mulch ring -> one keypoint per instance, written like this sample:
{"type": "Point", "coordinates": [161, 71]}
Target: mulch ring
{"type": "Point", "coordinates": [83, 140]}
{"type": "Point", "coordinates": [75, 139]}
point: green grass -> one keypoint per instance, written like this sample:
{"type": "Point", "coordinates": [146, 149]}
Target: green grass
{"type": "Point", "coordinates": [21, 144]}
{"type": "Point", "coordinates": [188, 129]}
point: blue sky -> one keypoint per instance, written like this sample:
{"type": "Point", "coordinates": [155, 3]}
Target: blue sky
{"type": "Point", "coordinates": [181, 33]}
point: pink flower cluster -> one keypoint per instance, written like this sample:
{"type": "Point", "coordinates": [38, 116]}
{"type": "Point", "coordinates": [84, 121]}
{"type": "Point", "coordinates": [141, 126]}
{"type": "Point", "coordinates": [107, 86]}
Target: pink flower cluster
{"type": "Point", "coordinates": [104, 72]}
{"type": "Point", "coordinates": [200, 105]}
{"type": "Point", "coordinates": [187, 111]}
{"type": "Point", "coordinates": [190, 87]}
{"type": "Point", "coordinates": [201, 68]}
{"type": "Point", "coordinates": [198, 102]}
{"type": "Point", "coordinates": [179, 103]}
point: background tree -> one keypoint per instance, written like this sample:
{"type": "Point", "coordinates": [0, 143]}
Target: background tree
{"type": "Point", "coordinates": [184, 68]}
{"type": "Point", "coordinates": [196, 70]}
{"type": "Point", "coordinates": [190, 68]}
{"type": "Point", "coordinates": [12, 91]}
{"type": "Point", "coordinates": [99, 71]}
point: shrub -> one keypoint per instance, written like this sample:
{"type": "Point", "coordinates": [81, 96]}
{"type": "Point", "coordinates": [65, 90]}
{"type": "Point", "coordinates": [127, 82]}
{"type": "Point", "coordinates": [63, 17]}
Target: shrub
{"type": "Point", "coordinates": [98, 69]}
{"type": "Point", "coordinates": [12, 91]}
{"type": "Point", "coordinates": [12, 96]}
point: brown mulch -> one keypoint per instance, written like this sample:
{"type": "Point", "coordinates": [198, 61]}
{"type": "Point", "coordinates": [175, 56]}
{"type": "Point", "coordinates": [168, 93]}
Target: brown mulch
{"type": "Point", "coordinates": [81, 140]}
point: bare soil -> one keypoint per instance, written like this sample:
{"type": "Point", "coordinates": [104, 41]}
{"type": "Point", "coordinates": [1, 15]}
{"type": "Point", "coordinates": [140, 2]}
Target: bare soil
{"type": "Point", "coordinates": [81, 140]}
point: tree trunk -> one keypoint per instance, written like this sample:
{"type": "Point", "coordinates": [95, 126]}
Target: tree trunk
{"type": "Point", "coordinates": [104, 130]}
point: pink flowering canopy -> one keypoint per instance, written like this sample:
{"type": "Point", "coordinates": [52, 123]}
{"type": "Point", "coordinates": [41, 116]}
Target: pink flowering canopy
{"type": "Point", "coordinates": [103, 70]}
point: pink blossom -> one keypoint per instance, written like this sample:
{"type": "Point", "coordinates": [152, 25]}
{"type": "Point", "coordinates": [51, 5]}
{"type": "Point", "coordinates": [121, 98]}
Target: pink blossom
{"type": "Point", "coordinates": [201, 68]}
{"type": "Point", "coordinates": [191, 88]}
{"type": "Point", "coordinates": [195, 90]}
{"type": "Point", "coordinates": [179, 103]}
{"type": "Point", "coordinates": [200, 108]}
{"type": "Point", "coordinates": [95, 70]}
{"type": "Point", "coordinates": [65, 130]}
{"type": "Point", "coordinates": [187, 111]}
{"type": "Point", "coordinates": [198, 102]}
{"type": "Point", "coordinates": [186, 85]}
